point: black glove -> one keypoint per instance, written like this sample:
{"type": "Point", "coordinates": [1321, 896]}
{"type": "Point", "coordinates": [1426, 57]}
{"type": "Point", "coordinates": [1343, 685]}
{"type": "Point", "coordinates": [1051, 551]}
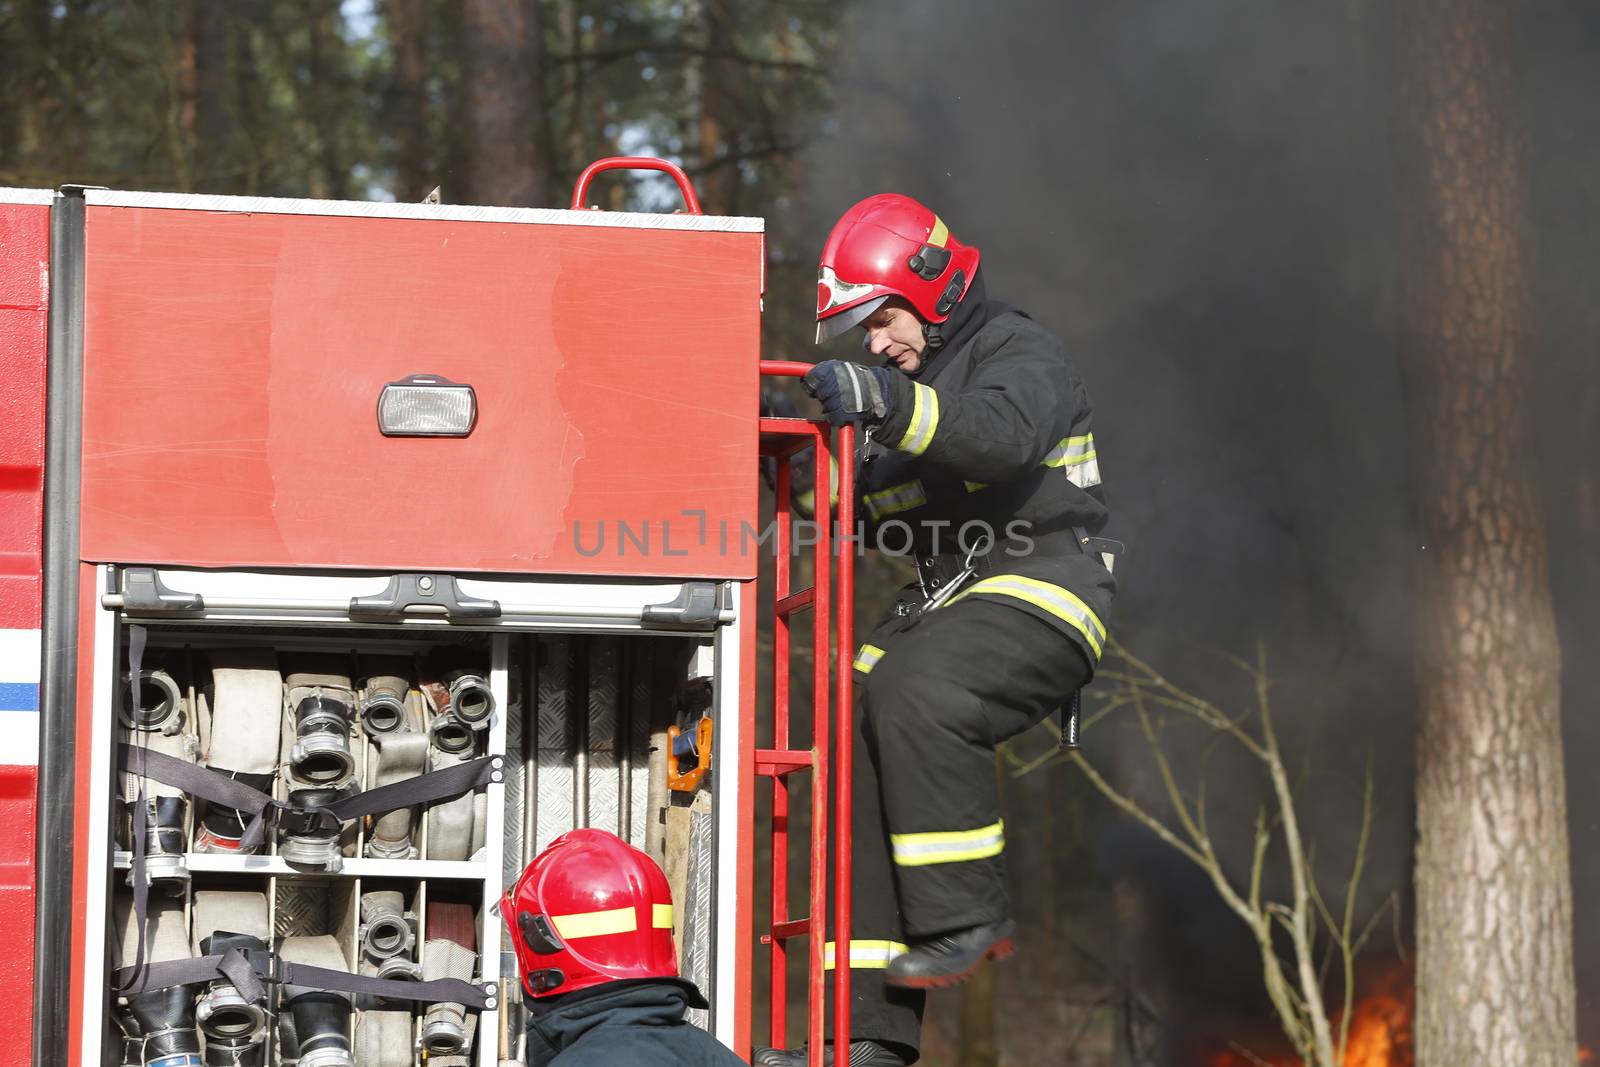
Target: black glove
{"type": "Point", "coordinates": [850, 392]}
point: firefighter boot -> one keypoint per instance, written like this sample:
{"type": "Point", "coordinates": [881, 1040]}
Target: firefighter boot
{"type": "Point", "coordinates": [862, 1054]}
{"type": "Point", "coordinates": [951, 958]}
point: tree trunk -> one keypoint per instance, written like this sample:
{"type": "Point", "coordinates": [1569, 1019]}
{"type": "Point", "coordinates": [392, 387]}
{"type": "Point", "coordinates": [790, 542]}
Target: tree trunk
{"type": "Point", "coordinates": [508, 153]}
{"type": "Point", "coordinates": [205, 116]}
{"type": "Point", "coordinates": [327, 99]}
{"type": "Point", "coordinates": [408, 29]}
{"type": "Point", "coordinates": [719, 118]}
{"type": "Point", "coordinates": [1494, 908]}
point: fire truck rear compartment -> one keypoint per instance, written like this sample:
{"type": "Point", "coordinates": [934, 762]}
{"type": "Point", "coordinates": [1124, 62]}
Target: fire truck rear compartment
{"type": "Point", "coordinates": [581, 722]}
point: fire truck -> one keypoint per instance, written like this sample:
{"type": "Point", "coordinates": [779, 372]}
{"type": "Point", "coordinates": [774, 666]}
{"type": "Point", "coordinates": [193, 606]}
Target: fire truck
{"type": "Point", "coordinates": [350, 553]}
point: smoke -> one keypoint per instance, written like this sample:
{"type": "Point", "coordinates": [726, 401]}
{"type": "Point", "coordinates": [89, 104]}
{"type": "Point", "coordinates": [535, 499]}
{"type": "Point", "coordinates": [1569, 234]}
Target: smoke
{"type": "Point", "coordinates": [1202, 200]}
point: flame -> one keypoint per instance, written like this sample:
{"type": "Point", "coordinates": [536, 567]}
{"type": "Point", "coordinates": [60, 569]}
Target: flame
{"type": "Point", "coordinates": [1379, 1035]}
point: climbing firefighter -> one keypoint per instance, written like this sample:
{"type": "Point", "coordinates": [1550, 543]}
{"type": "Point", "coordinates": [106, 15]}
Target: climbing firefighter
{"type": "Point", "coordinates": [591, 921]}
{"type": "Point", "coordinates": [979, 462]}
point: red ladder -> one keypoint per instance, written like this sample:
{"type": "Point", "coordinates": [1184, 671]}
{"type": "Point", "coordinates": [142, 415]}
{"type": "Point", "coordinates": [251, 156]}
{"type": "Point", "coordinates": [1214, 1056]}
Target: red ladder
{"type": "Point", "coordinates": [781, 439]}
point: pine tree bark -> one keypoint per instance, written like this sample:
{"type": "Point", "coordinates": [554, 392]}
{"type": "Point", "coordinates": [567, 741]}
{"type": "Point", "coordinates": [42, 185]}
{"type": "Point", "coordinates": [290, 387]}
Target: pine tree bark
{"type": "Point", "coordinates": [408, 31]}
{"type": "Point", "coordinates": [1494, 908]}
{"type": "Point", "coordinates": [508, 131]}
{"type": "Point", "coordinates": [718, 185]}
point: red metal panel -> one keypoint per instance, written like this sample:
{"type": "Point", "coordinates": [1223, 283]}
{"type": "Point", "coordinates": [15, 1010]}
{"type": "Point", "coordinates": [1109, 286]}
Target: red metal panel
{"type": "Point", "coordinates": [18, 787]}
{"type": "Point", "coordinates": [24, 299]}
{"type": "Point", "coordinates": [233, 363]}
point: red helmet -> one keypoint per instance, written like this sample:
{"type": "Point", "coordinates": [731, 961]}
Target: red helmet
{"type": "Point", "coordinates": [890, 245]}
{"type": "Point", "coordinates": [590, 909]}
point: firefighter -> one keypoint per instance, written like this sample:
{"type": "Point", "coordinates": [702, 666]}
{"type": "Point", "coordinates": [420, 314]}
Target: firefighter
{"type": "Point", "coordinates": [979, 462]}
{"type": "Point", "coordinates": [591, 922]}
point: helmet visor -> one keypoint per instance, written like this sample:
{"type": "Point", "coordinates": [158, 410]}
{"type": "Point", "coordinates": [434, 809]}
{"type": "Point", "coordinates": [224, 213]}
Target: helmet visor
{"type": "Point", "coordinates": [838, 323]}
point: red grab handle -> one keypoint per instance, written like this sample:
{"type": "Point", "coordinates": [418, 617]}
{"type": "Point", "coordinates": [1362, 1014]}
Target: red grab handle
{"type": "Point", "coordinates": [580, 191]}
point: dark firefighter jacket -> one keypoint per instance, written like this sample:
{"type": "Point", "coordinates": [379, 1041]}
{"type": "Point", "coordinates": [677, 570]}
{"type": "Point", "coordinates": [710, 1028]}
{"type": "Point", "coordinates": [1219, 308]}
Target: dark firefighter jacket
{"type": "Point", "coordinates": [621, 1024]}
{"type": "Point", "coordinates": [997, 429]}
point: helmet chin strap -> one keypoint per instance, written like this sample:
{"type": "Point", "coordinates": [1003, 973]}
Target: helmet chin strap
{"type": "Point", "coordinates": [933, 336]}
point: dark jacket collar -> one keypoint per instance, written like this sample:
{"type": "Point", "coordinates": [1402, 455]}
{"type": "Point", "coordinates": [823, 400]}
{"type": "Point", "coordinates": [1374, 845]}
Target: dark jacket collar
{"type": "Point", "coordinates": [973, 313]}
{"type": "Point", "coordinates": [559, 1022]}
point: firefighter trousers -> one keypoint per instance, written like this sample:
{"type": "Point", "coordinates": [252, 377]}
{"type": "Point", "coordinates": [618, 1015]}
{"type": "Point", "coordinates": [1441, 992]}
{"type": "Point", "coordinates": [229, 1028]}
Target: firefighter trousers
{"type": "Point", "coordinates": [934, 698]}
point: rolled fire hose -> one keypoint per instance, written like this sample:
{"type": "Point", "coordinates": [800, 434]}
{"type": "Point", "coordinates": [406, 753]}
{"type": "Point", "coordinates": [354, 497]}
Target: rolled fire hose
{"type": "Point", "coordinates": [450, 952]}
{"type": "Point", "coordinates": [154, 717]}
{"type": "Point", "coordinates": [246, 716]}
{"type": "Point", "coordinates": [401, 755]}
{"type": "Point", "coordinates": [451, 823]}
{"type": "Point", "coordinates": [320, 1018]}
{"type": "Point", "coordinates": [235, 1028]}
{"type": "Point", "coordinates": [383, 1039]}
{"type": "Point", "coordinates": [321, 705]}
{"type": "Point", "coordinates": [386, 928]}
{"type": "Point", "coordinates": [162, 1019]}
{"type": "Point", "coordinates": [383, 705]}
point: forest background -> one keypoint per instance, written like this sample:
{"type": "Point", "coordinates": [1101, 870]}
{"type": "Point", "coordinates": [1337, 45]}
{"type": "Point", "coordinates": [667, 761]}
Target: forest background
{"type": "Point", "coordinates": [1328, 268]}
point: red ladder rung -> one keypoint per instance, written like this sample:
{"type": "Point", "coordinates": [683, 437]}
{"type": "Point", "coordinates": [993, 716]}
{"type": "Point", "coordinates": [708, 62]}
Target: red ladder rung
{"type": "Point", "coordinates": [777, 762]}
{"type": "Point", "coordinates": [786, 930]}
{"type": "Point", "coordinates": [796, 602]}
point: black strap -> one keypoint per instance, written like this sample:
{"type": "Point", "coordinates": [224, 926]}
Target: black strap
{"type": "Point", "coordinates": [234, 966]}
{"type": "Point", "coordinates": [219, 788]}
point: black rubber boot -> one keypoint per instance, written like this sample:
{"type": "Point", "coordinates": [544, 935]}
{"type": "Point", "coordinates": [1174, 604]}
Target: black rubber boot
{"type": "Point", "coordinates": [950, 959]}
{"type": "Point", "coordinates": [862, 1054]}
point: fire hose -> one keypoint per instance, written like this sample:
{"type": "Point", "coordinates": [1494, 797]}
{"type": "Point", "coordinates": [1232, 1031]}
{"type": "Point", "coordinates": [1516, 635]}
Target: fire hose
{"type": "Point", "coordinates": [449, 952]}
{"type": "Point", "coordinates": [246, 702]}
{"type": "Point", "coordinates": [316, 1025]}
{"type": "Point", "coordinates": [161, 1022]}
{"type": "Point", "coordinates": [234, 1020]}
{"type": "Point", "coordinates": [388, 937]}
{"type": "Point", "coordinates": [402, 755]}
{"type": "Point", "coordinates": [156, 719]}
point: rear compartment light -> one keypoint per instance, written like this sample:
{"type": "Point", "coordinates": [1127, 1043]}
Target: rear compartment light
{"type": "Point", "coordinates": [426, 405]}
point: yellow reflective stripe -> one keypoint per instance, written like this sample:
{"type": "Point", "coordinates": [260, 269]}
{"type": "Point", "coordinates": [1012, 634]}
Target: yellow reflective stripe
{"type": "Point", "coordinates": [896, 498]}
{"type": "Point", "coordinates": [1062, 603]}
{"type": "Point", "coordinates": [865, 955]}
{"type": "Point", "coordinates": [596, 923]}
{"type": "Point", "coordinates": [948, 846]}
{"type": "Point", "coordinates": [1070, 451]}
{"type": "Point", "coordinates": [940, 233]}
{"type": "Point", "coordinates": [973, 487]}
{"type": "Point", "coordinates": [661, 916]}
{"type": "Point", "coordinates": [867, 658]}
{"type": "Point", "coordinates": [924, 420]}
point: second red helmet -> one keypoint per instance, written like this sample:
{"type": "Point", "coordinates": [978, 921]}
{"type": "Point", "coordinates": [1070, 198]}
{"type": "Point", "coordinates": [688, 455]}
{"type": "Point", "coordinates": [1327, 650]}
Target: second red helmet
{"type": "Point", "coordinates": [890, 245]}
{"type": "Point", "coordinates": [590, 909]}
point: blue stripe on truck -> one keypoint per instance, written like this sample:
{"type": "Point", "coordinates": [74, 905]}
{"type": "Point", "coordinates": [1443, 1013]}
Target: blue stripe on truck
{"type": "Point", "coordinates": [19, 696]}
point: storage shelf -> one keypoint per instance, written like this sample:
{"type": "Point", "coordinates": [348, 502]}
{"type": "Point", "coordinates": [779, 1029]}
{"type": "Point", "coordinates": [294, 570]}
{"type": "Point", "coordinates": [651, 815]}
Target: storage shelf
{"type": "Point", "coordinates": [210, 863]}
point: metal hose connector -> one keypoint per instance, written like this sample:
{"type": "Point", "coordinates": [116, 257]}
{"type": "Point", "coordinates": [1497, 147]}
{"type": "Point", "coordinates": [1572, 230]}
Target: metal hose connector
{"type": "Point", "coordinates": [158, 704]}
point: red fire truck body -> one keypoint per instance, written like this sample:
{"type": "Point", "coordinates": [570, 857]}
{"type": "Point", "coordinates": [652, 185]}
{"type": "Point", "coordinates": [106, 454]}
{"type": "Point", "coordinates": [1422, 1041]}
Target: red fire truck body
{"type": "Point", "coordinates": [206, 470]}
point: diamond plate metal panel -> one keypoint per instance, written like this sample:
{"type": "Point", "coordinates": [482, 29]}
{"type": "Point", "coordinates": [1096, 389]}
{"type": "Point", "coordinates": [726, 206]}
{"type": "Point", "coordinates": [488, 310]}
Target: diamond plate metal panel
{"type": "Point", "coordinates": [642, 657]}
{"type": "Point", "coordinates": [304, 909]}
{"type": "Point", "coordinates": [697, 962]}
{"type": "Point", "coordinates": [603, 698]}
{"type": "Point", "coordinates": [553, 770]}
{"type": "Point", "coordinates": [555, 798]}
{"type": "Point", "coordinates": [555, 661]}
{"type": "Point", "coordinates": [605, 792]}
{"type": "Point", "coordinates": [515, 783]}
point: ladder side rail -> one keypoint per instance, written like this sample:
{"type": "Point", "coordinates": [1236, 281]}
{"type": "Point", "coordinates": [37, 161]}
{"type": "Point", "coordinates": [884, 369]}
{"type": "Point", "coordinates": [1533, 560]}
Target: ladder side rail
{"type": "Point", "coordinates": [822, 620]}
{"type": "Point", "coordinates": [844, 709]}
{"type": "Point", "coordinates": [779, 962]}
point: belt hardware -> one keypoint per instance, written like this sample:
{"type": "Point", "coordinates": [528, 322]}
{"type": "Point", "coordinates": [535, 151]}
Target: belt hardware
{"type": "Point", "coordinates": [938, 595]}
